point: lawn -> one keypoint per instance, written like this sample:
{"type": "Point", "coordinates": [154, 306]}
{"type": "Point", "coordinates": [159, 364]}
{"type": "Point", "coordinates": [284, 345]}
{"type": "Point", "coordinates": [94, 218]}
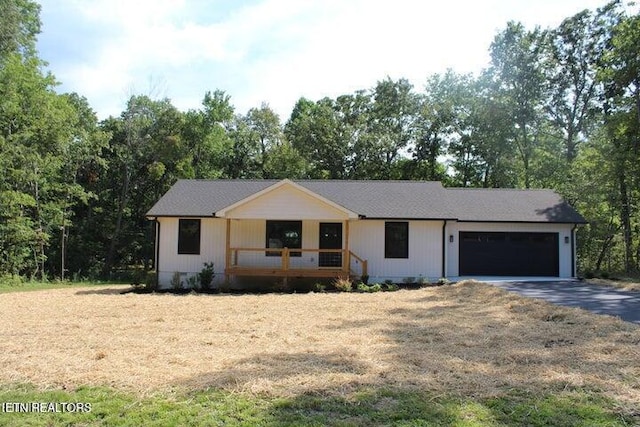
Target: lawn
{"type": "Point", "coordinates": [467, 354]}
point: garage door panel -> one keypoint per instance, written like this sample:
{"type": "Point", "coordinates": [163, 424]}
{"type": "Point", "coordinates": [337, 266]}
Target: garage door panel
{"type": "Point", "coordinates": [508, 254]}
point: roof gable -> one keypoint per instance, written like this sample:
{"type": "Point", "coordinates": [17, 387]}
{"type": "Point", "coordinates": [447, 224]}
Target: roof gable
{"type": "Point", "coordinates": [286, 200]}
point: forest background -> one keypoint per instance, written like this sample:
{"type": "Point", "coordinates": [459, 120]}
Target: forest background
{"type": "Point", "coordinates": [555, 108]}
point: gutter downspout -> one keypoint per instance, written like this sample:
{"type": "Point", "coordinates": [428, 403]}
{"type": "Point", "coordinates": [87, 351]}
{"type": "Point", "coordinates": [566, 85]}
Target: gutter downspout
{"type": "Point", "coordinates": [444, 248]}
{"type": "Point", "coordinates": [573, 250]}
{"type": "Point", "coordinates": [157, 260]}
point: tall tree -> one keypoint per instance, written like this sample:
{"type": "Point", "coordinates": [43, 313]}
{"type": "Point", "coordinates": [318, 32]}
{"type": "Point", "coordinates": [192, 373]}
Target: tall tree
{"type": "Point", "coordinates": [313, 130]}
{"type": "Point", "coordinates": [516, 68]}
{"type": "Point", "coordinates": [19, 27]}
{"type": "Point", "coordinates": [620, 74]}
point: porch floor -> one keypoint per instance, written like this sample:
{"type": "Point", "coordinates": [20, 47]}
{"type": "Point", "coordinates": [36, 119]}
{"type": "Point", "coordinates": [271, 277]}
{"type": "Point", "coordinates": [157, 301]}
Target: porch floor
{"type": "Point", "coordinates": [296, 272]}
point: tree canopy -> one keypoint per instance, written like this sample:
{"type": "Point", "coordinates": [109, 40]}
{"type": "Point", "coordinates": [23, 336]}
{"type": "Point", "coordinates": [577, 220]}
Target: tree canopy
{"type": "Point", "coordinates": [555, 107]}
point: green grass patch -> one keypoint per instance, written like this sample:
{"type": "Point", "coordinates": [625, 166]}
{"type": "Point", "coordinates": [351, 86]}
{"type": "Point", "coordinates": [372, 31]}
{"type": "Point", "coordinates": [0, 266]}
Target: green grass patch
{"type": "Point", "coordinates": [363, 408]}
{"type": "Point", "coordinates": [25, 286]}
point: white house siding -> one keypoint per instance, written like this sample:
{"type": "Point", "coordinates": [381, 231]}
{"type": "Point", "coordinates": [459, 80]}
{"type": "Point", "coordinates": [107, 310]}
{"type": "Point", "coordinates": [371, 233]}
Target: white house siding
{"type": "Point", "coordinates": [212, 247]}
{"type": "Point", "coordinates": [454, 228]}
{"type": "Point", "coordinates": [425, 250]}
{"type": "Point", "coordinates": [287, 203]}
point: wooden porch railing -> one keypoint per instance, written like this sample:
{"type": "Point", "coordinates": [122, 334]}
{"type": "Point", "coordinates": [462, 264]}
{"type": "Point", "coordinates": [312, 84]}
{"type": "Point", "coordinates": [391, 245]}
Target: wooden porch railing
{"type": "Point", "coordinates": [281, 262]}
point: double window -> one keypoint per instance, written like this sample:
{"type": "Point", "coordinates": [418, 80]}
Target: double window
{"type": "Point", "coordinates": [396, 239]}
{"type": "Point", "coordinates": [189, 237]}
{"type": "Point", "coordinates": [284, 234]}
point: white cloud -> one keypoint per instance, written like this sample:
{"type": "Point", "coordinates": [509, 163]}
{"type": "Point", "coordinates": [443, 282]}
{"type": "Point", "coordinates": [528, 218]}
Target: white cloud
{"type": "Point", "coordinates": [280, 50]}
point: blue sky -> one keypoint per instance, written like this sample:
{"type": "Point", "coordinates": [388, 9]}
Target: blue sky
{"type": "Point", "coordinates": [272, 51]}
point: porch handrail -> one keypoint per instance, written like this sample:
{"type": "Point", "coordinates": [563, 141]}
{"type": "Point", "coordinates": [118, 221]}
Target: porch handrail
{"type": "Point", "coordinates": [363, 263]}
{"type": "Point", "coordinates": [285, 254]}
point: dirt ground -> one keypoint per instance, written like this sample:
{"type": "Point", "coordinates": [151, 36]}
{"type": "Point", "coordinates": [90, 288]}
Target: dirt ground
{"type": "Point", "coordinates": [469, 339]}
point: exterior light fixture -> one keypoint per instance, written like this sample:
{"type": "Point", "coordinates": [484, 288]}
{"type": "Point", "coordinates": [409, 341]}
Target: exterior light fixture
{"type": "Point", "coordinates": [450, 238]}
{"type": "Point", "coordinates": [566, 240]}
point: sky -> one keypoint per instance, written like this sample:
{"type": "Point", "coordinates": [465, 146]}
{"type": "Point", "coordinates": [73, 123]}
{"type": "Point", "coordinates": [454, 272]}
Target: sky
{"type": "Point", "coordinates": [272, 51]}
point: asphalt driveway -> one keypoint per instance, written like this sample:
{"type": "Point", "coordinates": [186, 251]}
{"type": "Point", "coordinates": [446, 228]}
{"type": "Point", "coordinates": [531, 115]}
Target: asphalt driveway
{"type": "Point", "coordinates": [596, 298]}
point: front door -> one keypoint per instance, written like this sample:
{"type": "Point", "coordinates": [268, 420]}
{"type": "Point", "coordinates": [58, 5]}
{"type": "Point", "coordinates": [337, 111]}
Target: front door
{"type": "Point", "coordinates": [330, 238]}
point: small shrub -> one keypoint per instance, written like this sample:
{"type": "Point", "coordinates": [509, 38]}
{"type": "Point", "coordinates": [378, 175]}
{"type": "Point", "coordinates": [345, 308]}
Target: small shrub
{"type": "Point", "coordinates": [151, 281]}
{"type": "Point", "coordinates": [206, 276]}
{"type": "Point", "coordinates": [225, 286]}
{"type": "Point", "coordinates": [390, 287]}
{"type": "Point", "coordinates": [409, 280]}
{"type": "Point", "coordinates": [423, 281]}
{"type": "Point", "coordinates": [176, 281]}
{"type": "Point", "coordinates": [604, 274]}
{"type": "Point", "coordinates": [443, 281]}
{"type": "Point", "coordinates": [343, 284]}
{"type": "Point", "coordinates": [11, 280]}
{"type": "Point", "coordinates": [138, 277]}
{"type": "Point", "coordinates": [388, 282]}
{"type": "Point", "coordinates": [376, 287]}
{"type": "Point", "coordinates": [365, 279]}
{"type": "Point", "coordinates": [319, 287]}
{"type": "Point", "coordinates": [192, 282]}
{"type": "Point", "coordinates": [589, 274]}
{"type": "Point", "coordinates": [281, 285]}
{"type": "Point", "coordinates": [362, 287]}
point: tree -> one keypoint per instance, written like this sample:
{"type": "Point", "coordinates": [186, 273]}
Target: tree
{"type": "Point", "coordinates": [518, 77]}
{"type": "Point", "coordinates": [19, 27]}
{"type": "Point", "coordinates": [144, 147]}
{"type": "Point", "coordinates": [572, 53]}
{"type": "Point", "coordinates": [313, 130]}
{"type": "Point", "coordinates": [391, 123]}
{"type": "Point", "coordinates": [620, 76]}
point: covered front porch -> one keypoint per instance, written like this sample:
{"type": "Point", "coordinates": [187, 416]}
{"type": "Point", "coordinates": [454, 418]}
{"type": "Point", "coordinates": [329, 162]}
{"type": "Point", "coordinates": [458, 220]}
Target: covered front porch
{"type": "Point", "coordinates": [289, 231]}
{"type": "Point", "coordinates": [320, 249]}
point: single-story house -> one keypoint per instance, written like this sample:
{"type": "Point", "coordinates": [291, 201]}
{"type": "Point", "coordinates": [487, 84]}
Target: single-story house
{"type": "Point", "coordinates": [386, 230]}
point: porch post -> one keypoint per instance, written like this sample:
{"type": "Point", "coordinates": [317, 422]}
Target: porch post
{"type": "Point", "coordinates": [346, 267]}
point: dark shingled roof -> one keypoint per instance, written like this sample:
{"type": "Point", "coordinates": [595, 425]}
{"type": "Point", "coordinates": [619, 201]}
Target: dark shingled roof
{"type": "Point", "coordinates": [380, 199]}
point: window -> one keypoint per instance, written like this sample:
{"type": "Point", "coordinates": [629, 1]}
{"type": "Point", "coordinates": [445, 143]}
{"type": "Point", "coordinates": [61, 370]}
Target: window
{"type": "Point", "coordinates": [284, 234]}
{"type": "Point", "coordinates": [189, 237]}
{"type": "Point", "coordinates": [396, 240]}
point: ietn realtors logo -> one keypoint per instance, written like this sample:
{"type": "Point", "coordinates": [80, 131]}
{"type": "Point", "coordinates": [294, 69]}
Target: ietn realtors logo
{"type": "Point", "coordinates": [23, 407]}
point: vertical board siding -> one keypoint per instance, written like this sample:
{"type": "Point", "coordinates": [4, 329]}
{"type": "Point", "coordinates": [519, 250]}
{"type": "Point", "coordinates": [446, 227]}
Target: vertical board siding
{"type": "Point", "coordinates": [212, 247]}
{"type": "Point", "coordinates": [425, 250]}
{"type": "Point", "coordinates": [286, 203]}
{"type": "Point", "coordinates": [454, 228]}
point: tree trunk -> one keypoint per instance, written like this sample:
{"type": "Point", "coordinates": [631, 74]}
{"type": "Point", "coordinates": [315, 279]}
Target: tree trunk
{"type": "Point", "coordinates": [625, 219]}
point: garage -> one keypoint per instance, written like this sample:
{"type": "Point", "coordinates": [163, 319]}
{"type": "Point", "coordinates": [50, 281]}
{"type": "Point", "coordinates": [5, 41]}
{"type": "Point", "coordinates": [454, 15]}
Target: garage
{"type": "Point", "coordinates": [508, 254]}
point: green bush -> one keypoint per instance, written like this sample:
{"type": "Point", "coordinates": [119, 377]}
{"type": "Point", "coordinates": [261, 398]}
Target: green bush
{"type": "Point", "coordinates": [376, 287]}
{"type": "Point", "coordinates": [390, 287]}
{"type": "Point", "coordinates": [361, 287]}
{"type": "Point", "coordinates": [365, 279]}
{"type": "Point", "coordinates": [11, 280]}
{"type": "Point", "coordinates": [206, 276]}
{"type": "Point", "coordinates": [319, 287]}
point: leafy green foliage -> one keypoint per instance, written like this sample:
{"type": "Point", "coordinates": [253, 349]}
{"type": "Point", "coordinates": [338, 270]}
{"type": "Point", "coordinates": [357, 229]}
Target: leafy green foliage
{"type": "Point", "coordinates": [556, 108]}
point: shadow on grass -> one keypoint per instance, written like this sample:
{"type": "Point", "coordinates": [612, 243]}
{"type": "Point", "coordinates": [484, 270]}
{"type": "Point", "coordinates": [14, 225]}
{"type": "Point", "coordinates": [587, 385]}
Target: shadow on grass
{"type": "Point", "coordinates": [365, 407]}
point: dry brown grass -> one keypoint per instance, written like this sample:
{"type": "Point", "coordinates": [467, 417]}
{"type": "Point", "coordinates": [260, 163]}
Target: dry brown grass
{"type": "Point", "coordinates": [628, 284]}
{"type": "Point", "coordinates": [469, 339]}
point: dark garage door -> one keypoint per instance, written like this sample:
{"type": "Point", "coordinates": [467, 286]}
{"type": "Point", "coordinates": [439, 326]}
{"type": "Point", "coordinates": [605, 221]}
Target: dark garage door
{"type": "Point", "coordinates": [508, 254]}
